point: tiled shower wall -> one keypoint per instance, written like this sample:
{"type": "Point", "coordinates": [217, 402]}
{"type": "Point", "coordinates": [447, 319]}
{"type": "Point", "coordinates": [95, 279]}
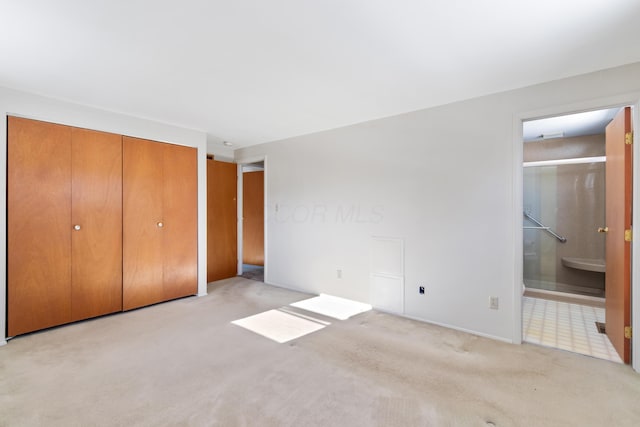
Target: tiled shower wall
{"type": "Point", "coordinates": [569, 199]}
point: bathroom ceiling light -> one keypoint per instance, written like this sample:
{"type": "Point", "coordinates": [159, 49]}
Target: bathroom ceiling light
{"type": "Point", "coordinates": [227, 143]}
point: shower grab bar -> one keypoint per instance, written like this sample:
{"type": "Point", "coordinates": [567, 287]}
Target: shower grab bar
{"type": "Point", "coordinates": [543, 227]}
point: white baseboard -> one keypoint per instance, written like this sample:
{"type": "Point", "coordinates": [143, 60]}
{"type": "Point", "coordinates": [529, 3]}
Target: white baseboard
{"type": "Point", "coordinates": [444, 325]}
{"type": "Point", "coordinates": [456, 328]}
{"type": "Point", "coordinates": [291, 288]}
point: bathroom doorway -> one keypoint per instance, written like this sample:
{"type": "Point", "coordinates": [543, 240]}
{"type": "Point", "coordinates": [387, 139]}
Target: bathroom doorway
{"type": "Point", "coordinates": [252, 224]}
{"type": "Point", "coordinates": [566, 237]}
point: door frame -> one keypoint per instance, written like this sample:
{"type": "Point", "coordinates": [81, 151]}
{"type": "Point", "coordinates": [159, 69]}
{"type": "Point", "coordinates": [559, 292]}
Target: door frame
{"type": "Point", "coordinates": [240, 197]}
{"type": "Point", "coordinates": [630, 99]}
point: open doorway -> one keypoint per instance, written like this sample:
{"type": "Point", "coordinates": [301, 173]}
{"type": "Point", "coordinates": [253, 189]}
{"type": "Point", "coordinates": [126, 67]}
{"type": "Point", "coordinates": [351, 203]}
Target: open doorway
{"type": "Point", "coordinates": [251, 249]}
{"type": "Point", "coordinates": [576, 266]}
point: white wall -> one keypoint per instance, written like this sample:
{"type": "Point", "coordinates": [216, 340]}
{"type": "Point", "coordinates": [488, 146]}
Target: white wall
{"type": "Point", "coordinates": [443, 179]}
{"type": "Point", "coordinates": [36, 107]}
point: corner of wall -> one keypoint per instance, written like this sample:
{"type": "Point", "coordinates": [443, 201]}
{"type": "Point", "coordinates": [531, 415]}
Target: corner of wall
{"type": "Point", "coordinates": [221, 152]}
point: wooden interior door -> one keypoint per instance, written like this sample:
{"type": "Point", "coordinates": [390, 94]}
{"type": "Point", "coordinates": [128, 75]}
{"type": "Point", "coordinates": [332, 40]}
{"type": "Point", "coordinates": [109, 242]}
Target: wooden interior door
{"type": "Point", "coordinates": [618, 217]}
{"type": "Point", "coordinates": [143, 222]}
{"type": "Point", "coordinates": [222, 227]}
{"type": "Point", "coordinates": [38, 225]}
{"type": "Point", "coordinates": [96, 242]}
{"type": "Point", "coordinates": [253, 218]}
{"type": "Point", "coordinates": [180, 230]}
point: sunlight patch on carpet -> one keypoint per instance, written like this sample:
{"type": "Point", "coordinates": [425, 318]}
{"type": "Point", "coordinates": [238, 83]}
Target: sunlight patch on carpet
{"type": "Point", "coordinates": [336, 307]}
{"type": "Point", "coordinates": [280, 326]}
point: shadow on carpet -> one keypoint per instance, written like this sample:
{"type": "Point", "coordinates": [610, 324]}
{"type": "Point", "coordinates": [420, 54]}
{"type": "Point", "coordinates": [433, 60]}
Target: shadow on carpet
{"type": "Point", "coordinates": [253, 272]}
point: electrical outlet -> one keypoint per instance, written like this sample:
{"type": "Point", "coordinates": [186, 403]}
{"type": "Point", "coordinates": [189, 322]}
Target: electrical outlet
{"type": "Point", "coordinates": [493, 303]}
{"type": "Point", "coordinates": [421, 290]}
{"type": "Point", "coordinates": [339, 273]}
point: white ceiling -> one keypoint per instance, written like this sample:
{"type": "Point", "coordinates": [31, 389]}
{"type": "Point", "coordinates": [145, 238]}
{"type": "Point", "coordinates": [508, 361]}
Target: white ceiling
{"type": "Point", "coordinates": [252, 71]}
{"type": "Point", "coordinates": [569, 125]}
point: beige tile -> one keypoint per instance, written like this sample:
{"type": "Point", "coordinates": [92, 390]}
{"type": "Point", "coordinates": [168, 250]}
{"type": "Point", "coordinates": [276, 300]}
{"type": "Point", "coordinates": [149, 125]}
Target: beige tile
{"type": "Point", "coordinates": [566, 326]}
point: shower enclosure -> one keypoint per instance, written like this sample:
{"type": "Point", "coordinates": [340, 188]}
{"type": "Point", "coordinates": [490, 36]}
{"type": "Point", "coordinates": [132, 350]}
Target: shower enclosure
{"type": "Point", "coordinates": [564, 205]}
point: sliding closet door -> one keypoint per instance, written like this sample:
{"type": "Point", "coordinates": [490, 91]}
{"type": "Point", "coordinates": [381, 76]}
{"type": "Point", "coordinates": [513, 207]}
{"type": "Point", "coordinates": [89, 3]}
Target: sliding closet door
{"type": "Point", "coordinates": [96, 284]}
{"type": "Point", "coordinates": [38, 225]}
{"type": "Point", "coordinates": [181, 221]}
{"type": "Point", "coordinates": [142, 223]}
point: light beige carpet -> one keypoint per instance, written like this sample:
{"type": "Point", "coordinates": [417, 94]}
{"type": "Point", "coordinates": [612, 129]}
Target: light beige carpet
{"type": "Point", "coordinates": [184, 363]}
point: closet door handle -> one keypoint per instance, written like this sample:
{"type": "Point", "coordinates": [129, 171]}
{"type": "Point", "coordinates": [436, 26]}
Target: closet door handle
{"type": "Point", "coordinates": [77, 227]}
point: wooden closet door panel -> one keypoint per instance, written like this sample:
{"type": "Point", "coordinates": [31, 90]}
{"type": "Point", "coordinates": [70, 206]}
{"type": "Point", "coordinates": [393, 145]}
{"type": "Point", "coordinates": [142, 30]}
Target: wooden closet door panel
{"type": "Point", "coordinates": [181, 221]}
{"type": "Point", "coordinates": [253, 218]}
{"type": "Point", "coordinates": [96, 248]}
{"type": "Point", "coordinates": [222, 217]}
{"type": "Point", "coordinates": [142, 219]}
{"type": "Point", "coordinates": [38, 225]}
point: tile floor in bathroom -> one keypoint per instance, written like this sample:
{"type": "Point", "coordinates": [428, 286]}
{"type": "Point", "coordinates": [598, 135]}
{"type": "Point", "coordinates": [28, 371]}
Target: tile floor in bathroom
{"type": "Point", "coordinates": [566, 326]}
